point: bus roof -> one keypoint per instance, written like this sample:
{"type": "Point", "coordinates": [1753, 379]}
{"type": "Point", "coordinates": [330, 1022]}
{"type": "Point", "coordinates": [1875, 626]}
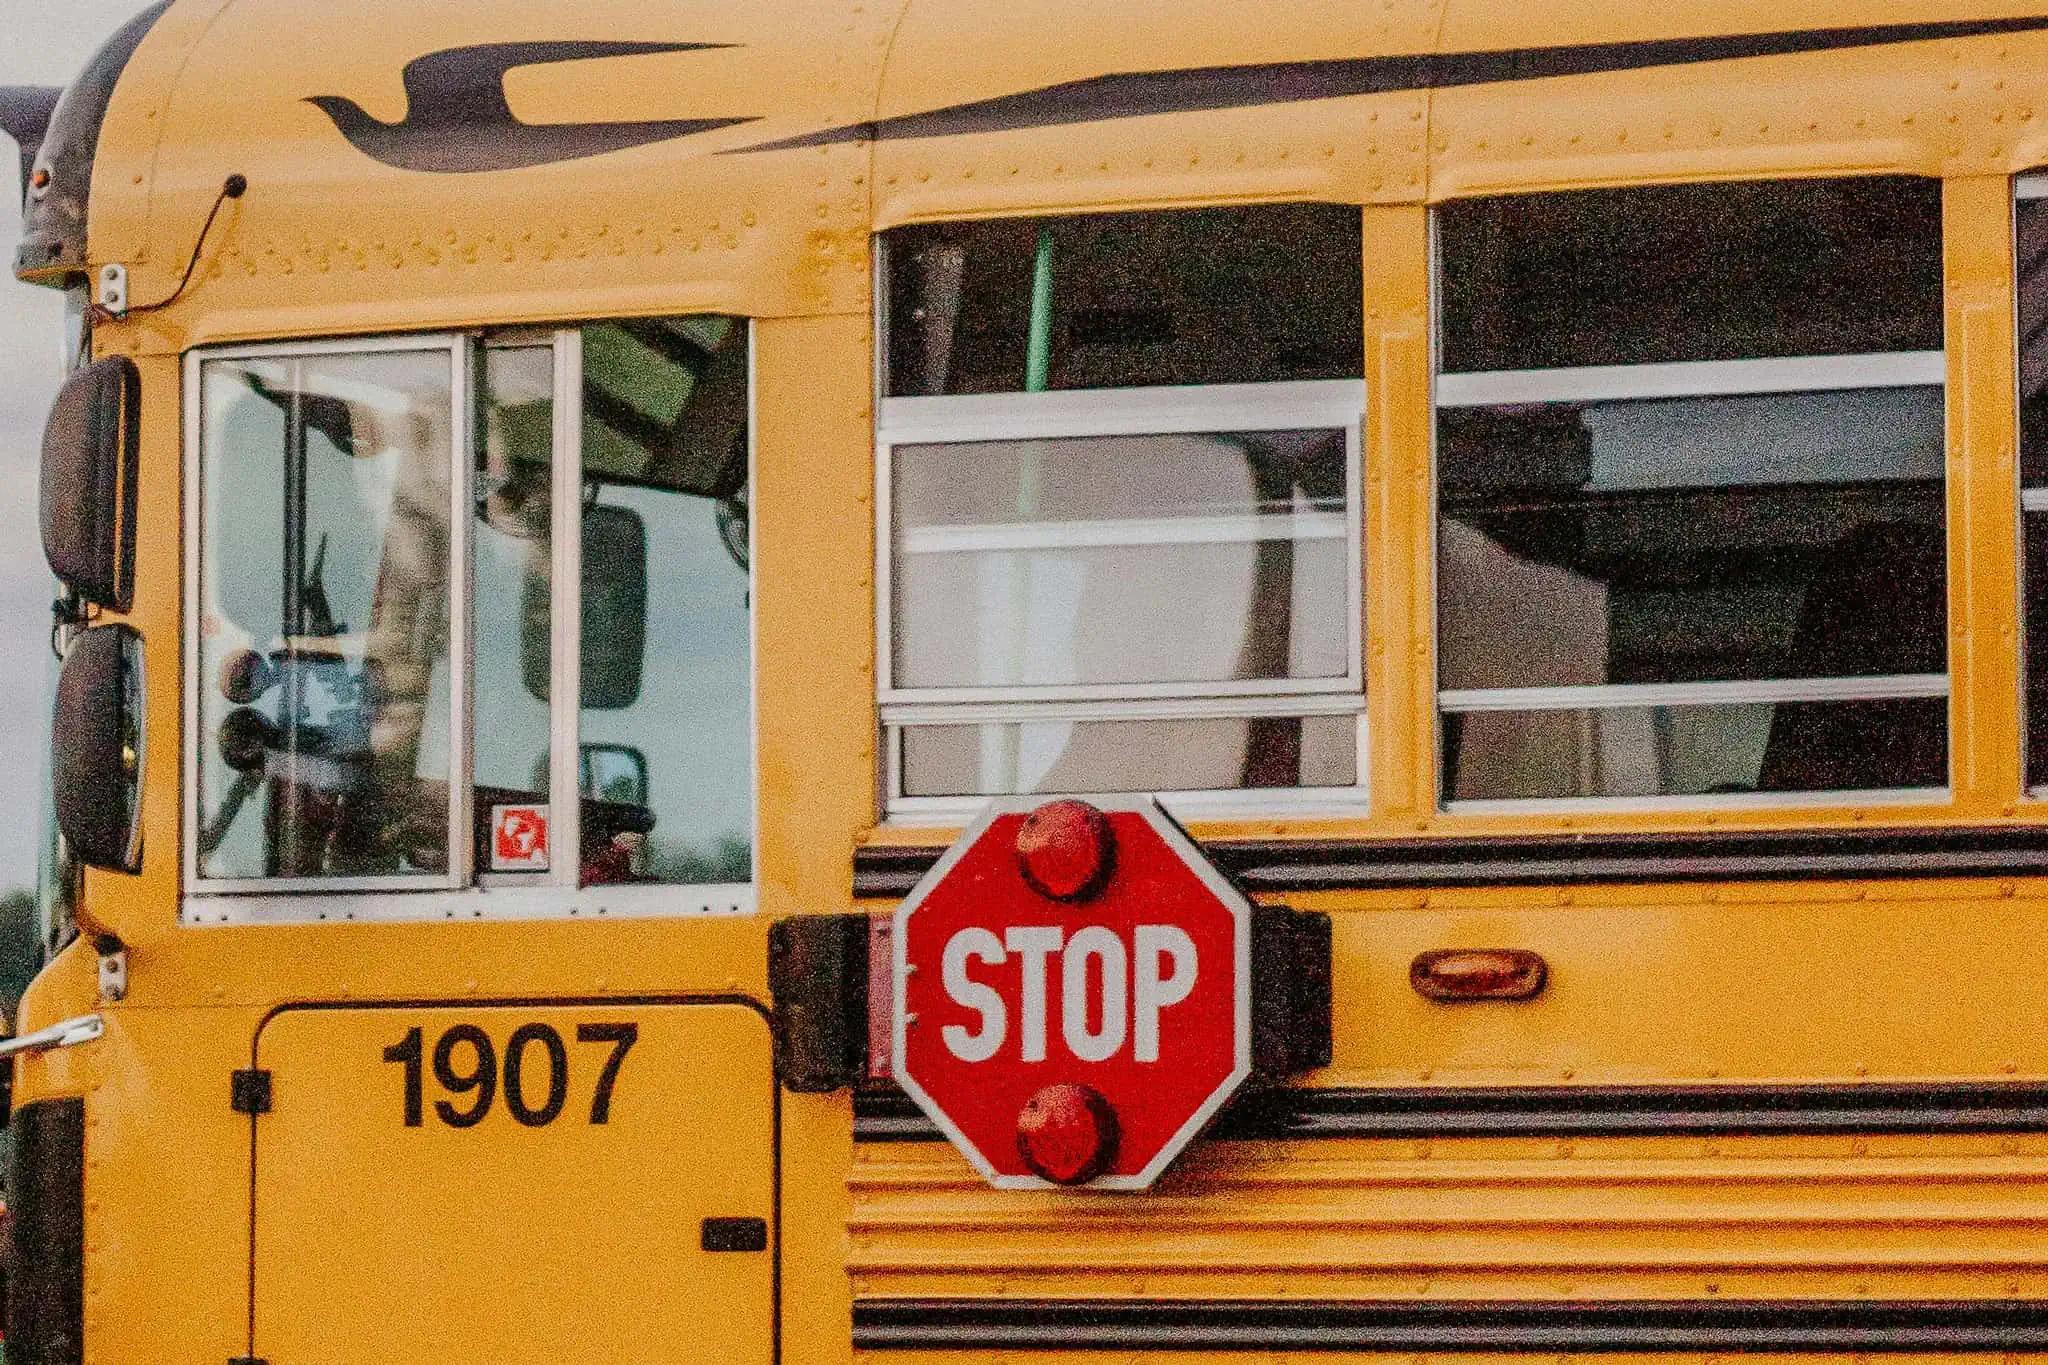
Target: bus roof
{"type": "Point", "coordinates": [420, 163]}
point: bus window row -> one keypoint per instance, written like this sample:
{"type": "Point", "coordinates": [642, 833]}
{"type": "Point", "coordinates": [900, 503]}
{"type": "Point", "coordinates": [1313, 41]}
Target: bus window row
{"type": "Point", "coordinates": [1690, 524]}
{"type": "Point", "coordinates": [1689, 537]}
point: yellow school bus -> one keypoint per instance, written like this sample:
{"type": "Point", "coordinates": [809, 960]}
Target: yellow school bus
{"type": "Point", "coordinates": [566, 512]}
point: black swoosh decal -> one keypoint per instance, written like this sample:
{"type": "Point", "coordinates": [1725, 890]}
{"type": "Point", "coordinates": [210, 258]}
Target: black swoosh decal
{"type": "Point", "coordinates": [457, 119]}
{"type": "Point", "coordinates": [1192, 89]}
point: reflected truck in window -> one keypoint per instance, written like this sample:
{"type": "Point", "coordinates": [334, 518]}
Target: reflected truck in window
{"type": "Point", "coordinates": [725, 669]}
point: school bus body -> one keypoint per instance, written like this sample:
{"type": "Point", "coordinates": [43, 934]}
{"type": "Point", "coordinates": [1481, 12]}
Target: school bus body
{"type": "Point", "coordinates": [1694, 981]}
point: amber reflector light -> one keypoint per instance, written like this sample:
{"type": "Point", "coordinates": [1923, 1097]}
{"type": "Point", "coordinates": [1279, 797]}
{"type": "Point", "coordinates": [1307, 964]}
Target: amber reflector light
{"type": "Point", "coordinates": [1478, 974]}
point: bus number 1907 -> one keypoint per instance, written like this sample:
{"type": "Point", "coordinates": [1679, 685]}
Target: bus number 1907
{"type": "Point", "coordinates": [532, 1100]}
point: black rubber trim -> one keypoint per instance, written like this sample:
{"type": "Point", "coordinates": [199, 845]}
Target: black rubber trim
{"type": "Point", "coordinates": [1284, 865]}
{"type": "Point", "coordinates": [1575, 1111]}
{"type": "Point", "coordinates": [1753, 1325]}
{"type": "Point", "coordinates": [733, 1234]}
{"type": "Point", "coordinates": [46, 1262]}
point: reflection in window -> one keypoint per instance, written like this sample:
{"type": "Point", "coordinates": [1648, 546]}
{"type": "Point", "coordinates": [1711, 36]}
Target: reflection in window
{"type": "Point", "coordinates": [1708, 578]}
{"type": "Point", "coordinates": [1130, 755]}
{"type": "Point", "coordinates": [1028, 563]}
{"type": "Point", "coordinates": [324, 616]}
{"type": "Point", "coordinates": [1698, 750]}
{"type": "Point", "coordinates": [666, 725]}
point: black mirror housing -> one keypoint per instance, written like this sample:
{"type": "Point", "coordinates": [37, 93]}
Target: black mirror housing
{"type": "Point", "coordinates": [89, 468]}
{"type": "Point", "coordinates": [97, 748]}
{"type": "Point", "coordinates": [614, 640]}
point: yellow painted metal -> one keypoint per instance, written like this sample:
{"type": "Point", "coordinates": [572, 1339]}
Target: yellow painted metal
{"type": "Point", "coordinates": [1832, 981]}
{"type": "Point", "coordinates": [511, 1241]}
{"type": "Point", "coordinates": [1400, 515]}
{"type": "Point", "coordinates": [1480, 1220]}
{"type": "Point", "coordinates": [1985, 618]}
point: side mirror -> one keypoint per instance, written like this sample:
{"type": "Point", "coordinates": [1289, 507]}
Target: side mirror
{"type": "Point", "coordinates": [96, 754]}
{"type": "Point", "coordinates": [614, 613]}
{"type": "Point", "coordinates": [89, 453]}
{"type": "Point", "coordinates": [615, 772]}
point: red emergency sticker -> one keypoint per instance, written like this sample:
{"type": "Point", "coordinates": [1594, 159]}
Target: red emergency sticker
{"type": "Point", "coordinates": [519, 838]}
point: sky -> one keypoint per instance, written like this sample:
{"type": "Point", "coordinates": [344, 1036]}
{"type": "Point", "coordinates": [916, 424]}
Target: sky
{"type": "Point", "coordinates": [40, 44]}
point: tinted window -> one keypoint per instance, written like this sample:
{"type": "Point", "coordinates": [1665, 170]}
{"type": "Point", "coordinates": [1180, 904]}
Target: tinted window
{"type": "Point", "coordinates": [1688, 540]}
{"type": "Point", "coordinates": [1206, 296]}
{"type": "Point", "coordinates": [1692, 272]}
{"type": "Point", "coordinates": [2032, 266]}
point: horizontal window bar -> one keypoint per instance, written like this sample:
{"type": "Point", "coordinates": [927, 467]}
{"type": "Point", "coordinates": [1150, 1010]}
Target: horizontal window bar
{"type": "Point", "coordinates": [1307, 404]}
{"type": "Point", "coordinates": [1140, 691]}
{"type": "Point", "coordinates": [1658, 805]}
{"type": "Point", "coordinates": [1692, 379]}
{"type": "Point", "coordinates": [947, 812]}
{"type": "Point", "coordinates": [342, 347]}
{"type": "Point", "coordinates": [1251, 707]}
{"type": "Point", "coordinates": [306, 903]}
{"type": "Point", "coordinates": [419, 883]}
{"type": "Point", "coordinates": [1081, 535]}
{"type": "Point", "coordinates": [2030, 187]}
{"type": "Point", "coordinates": [2034, 500]}
{"type": "Point", "coordinates": [1883, 687]}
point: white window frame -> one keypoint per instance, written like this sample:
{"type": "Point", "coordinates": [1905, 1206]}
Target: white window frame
{"type": "Point", "coordinates": [464, 892]}
{"type": "Point", "coordinates": [1310, 405]}
{"type": "Point", "coordinates": [1689, 379]}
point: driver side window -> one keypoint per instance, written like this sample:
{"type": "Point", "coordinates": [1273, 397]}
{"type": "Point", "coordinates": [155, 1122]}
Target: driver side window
{"type": "Point", "coordinates": [393, 685]}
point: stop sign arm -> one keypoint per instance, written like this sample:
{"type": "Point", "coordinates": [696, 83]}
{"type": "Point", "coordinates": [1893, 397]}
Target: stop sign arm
{"type": "Point", "coordinates": [828, 1022]}
{"type": "Point", "coordinates": [818, 970]}
{"type": "Point", "coordinates": [1292, 1030]}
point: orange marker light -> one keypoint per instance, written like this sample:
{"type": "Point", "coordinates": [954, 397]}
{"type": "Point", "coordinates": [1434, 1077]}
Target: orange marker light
{"type": "Point", "coordinates": [1066, 850]}
{"type": "Point", "coordinates": [1454, 974]}
{"type": "Point", "coordinates": [1067, 1134]}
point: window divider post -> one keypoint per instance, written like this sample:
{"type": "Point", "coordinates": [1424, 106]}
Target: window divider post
{"type": "Point", "coordinates": [565, 634]}
{"type": "Point", "coordinates": [465, 355]}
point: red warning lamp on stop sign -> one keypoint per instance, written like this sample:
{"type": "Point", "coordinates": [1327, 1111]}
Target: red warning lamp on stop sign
{"type": "Point", "coordinates": [1073, 993]}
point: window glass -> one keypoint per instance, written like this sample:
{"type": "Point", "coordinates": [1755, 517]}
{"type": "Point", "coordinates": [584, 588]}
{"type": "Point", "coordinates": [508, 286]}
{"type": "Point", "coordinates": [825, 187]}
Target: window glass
{"type": "Point", "coordinates": [1171, 561]}
{"type": "Point", "coordinates": [512, 550]}
{"type": "Point", "coordinates": [1692, 272]}
{"type": "Point", "coordinates": [1772, 531]}
{"type": "Point", "coordinates": [2032, 269]}
{"type": "Point", "coordinates": [1690, 540]}
{"type": "Point", "coordinates": [666, 726]}
{"type": "Point", "coordinates": [1122, 559]}
{"type": "Point", "coordinates": [1696, 750]}
{"type": "Point", "coordinates": [1095, 301]}
{"type": "Point", "coordinates": [1130, 755]}
{"type": "Point", "coordinates": [324, 628]}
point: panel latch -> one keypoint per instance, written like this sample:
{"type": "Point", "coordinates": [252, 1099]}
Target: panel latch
{"type": "Point", "coordinates": [113, 955]}
{"type": "Point", "coordinates": [249, 1091]}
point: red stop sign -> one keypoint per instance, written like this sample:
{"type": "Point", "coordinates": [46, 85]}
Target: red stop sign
{"type": "Point", "coordinates": [1135, 987]}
